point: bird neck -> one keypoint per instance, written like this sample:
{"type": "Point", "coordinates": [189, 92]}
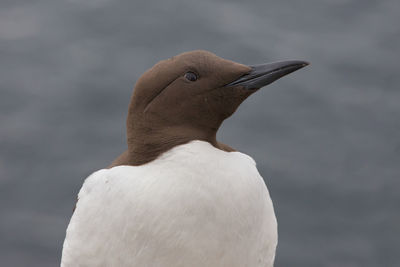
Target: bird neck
{"type": "Point", "coordinates": [146, 144]}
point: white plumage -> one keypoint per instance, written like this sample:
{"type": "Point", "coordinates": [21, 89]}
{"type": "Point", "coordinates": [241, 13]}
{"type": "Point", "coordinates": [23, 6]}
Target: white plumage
{"type": "Point", "coordinates": [193, 206]}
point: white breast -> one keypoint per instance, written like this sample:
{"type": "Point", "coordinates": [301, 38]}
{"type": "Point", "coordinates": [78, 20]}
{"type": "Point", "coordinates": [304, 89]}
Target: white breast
{"type": "Point", "coordinates": [193, 206]}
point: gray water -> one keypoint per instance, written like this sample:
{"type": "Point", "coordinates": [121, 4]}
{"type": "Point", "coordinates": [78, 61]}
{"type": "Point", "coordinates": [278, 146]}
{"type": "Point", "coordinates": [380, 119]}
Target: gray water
{"type": "Point", "coordinates": [326, 138]}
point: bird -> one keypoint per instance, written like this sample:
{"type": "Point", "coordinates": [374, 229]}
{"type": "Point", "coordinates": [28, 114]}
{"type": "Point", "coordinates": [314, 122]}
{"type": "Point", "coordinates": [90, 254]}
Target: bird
{"type": "Point", "coordinates": [177, 196]}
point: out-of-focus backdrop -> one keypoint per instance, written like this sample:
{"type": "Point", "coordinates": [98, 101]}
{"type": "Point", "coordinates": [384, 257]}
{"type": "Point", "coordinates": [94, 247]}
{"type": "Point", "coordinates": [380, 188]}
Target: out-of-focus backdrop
{"type": "Point", "coordinates": [326, 138]}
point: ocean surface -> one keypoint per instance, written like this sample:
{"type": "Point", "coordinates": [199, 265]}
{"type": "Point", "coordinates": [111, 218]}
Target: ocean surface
{"type": "Point", "coordinates": [326, 138]}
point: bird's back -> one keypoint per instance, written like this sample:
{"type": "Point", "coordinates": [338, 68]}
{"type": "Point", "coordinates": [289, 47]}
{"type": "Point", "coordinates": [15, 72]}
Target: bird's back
{"type": "Point", "coordinates": [193, 206]}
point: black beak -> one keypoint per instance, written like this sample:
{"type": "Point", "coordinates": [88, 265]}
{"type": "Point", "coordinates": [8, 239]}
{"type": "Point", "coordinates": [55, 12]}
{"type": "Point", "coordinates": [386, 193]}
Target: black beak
{"type": "Point", "coordinates": [264, 74]}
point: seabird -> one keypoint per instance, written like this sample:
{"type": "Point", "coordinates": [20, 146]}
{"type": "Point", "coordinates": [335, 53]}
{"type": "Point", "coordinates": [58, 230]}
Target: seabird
{"type": "Point", "coordinates": [178, 197]}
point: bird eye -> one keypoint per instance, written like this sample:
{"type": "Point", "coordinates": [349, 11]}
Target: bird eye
{"type": "Point", "coordinates": [191, 76]}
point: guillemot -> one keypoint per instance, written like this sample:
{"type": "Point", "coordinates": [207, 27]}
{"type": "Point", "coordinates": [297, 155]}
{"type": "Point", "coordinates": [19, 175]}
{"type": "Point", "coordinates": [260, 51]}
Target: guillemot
{"type": "Point", "coordinates": [177, 196]}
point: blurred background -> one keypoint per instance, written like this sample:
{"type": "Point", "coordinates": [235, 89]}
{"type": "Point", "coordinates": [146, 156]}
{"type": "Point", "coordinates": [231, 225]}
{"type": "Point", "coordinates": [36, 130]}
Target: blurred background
{"type": "Point", "coordinates": [326, 138]}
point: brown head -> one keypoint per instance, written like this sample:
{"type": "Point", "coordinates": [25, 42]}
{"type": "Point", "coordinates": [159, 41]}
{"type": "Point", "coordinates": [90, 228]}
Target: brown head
{"type": "Point", "coordinates": [187, 97]}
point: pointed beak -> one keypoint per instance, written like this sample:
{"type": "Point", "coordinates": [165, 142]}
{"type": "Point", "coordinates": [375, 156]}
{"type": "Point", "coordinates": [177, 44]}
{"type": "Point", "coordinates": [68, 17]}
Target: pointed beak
{"type": "Point", "coordinates": [264, 74]}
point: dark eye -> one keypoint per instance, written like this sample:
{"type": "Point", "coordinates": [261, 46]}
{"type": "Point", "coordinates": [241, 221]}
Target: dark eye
{"type": "Point", "coordinates": [191, 76]}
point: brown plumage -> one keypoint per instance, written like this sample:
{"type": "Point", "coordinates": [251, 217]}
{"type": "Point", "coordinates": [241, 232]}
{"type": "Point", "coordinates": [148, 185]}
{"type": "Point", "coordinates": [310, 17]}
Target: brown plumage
{"type": "Point", "coordinates": [168, 110]}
